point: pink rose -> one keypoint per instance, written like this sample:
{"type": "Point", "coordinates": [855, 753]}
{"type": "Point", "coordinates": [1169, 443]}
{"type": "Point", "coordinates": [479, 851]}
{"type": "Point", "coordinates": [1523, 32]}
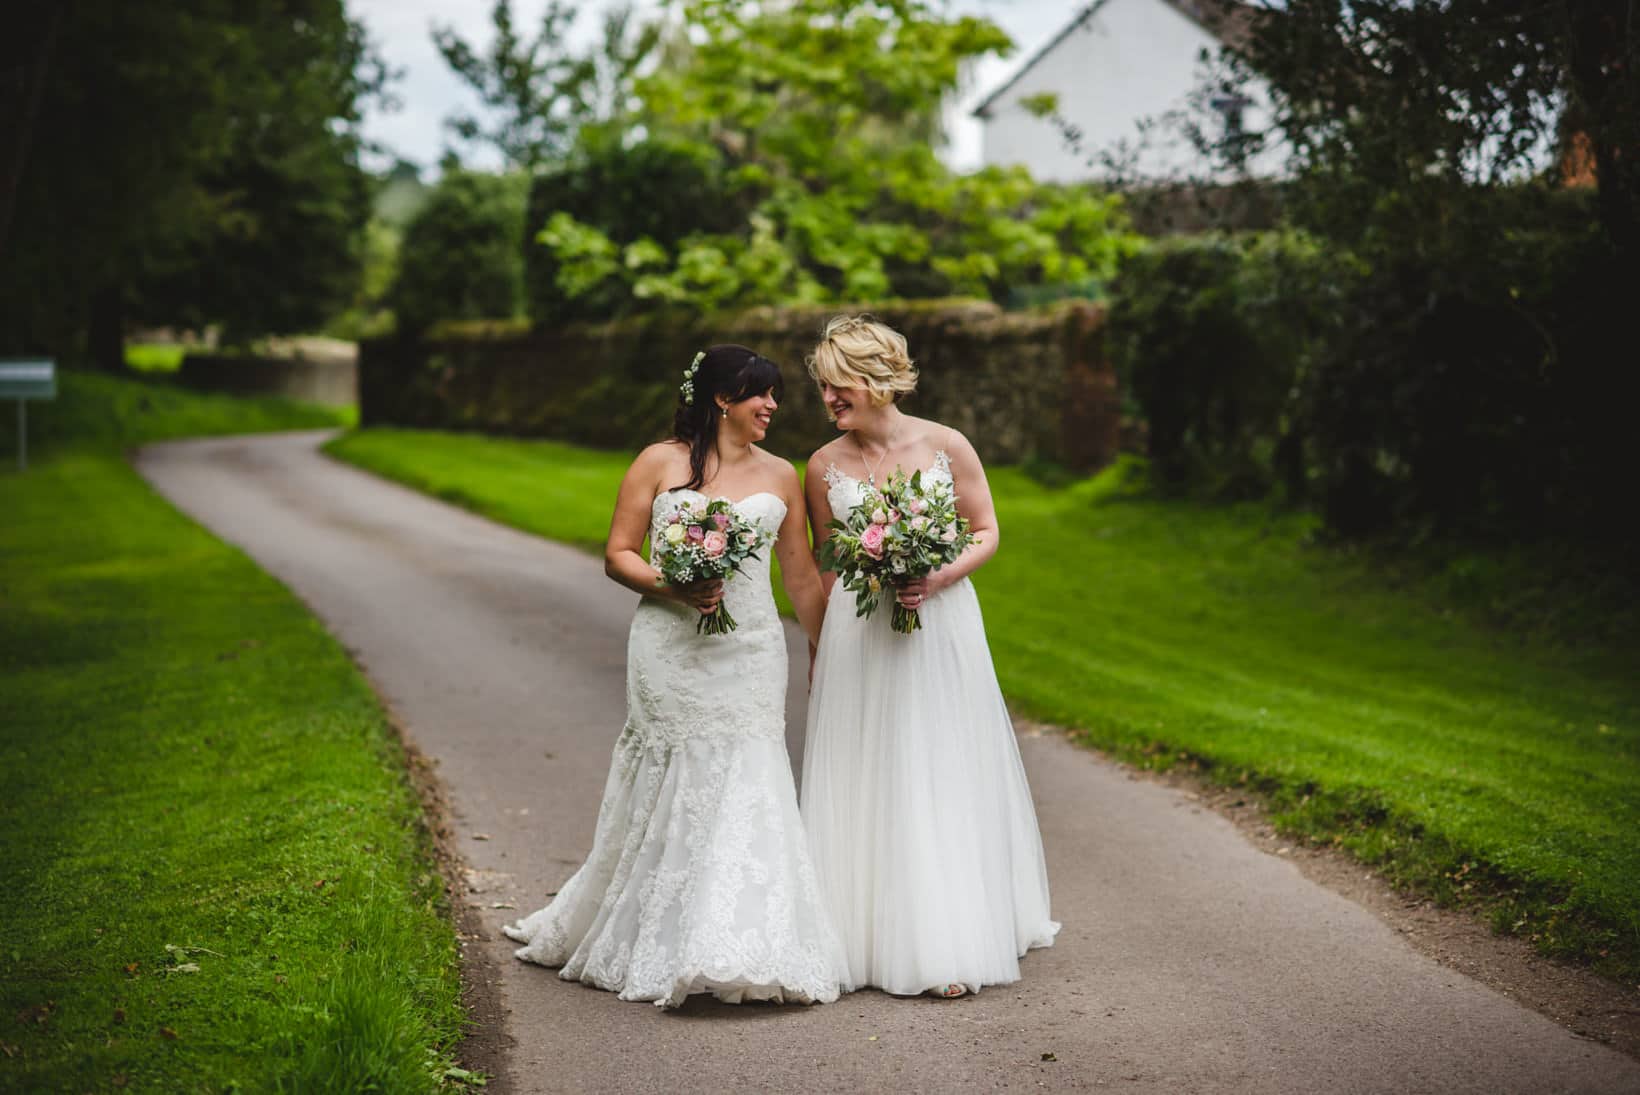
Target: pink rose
{"type": "Point", "coordinates": [871, 540]}
{"type": "Point", "coordinates": [949, 535]}
{"type": "Point", "coordinates": [696, 533]}
{"type": "Point", "coordinates": [715, 542]}
{"type": "Point", "coordinates": [721, 520]}
{"type": "Point", "coordinates": [919, 523]}
{"type": "Point", "coordinates": [893, 516]}
{"type": "Point", "coordinates": [916, 505]}
{"type": "Point", "coordinates": [878, 517]}
{"type": "Point", "coordinates": [749, 537]}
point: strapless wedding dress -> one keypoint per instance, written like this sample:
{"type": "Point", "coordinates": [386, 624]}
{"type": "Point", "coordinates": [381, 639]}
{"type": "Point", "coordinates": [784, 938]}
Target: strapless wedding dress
{"type": "Point", "coordinates": [915, 797]}
{"type": "Point", "coordinates": [699, 878]}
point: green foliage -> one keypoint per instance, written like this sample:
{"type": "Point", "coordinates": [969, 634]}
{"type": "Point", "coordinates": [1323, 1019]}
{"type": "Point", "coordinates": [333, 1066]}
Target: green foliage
{"type": "Point", "coordinates": [614, 216]}
{"type": "Point", "coordinates": [813, 124]}
{"type": "Point", "coordinates": [216, 873]}
{"type": "Point", "coordinates": [211, 176]}
{"type": "Point", "coordinates": [284, 250]}
{"type": "Point", "coordinates": [1471, 389]}
{"type": "Point", "coordinates": [1214, 337]}
{"type": "Point", "coordinates": [540, 92]}
{"type": "Point", "coordinates": [154, 357]}
{"type": "Point", "coordinates": [1466, 386]}
{"type": "Point", "coordinates": [459, 258]}
{"type": "Point", "coordinates": [1371, 705]}
{"type": "Point", "coordinates": [1463, 389]}
{"type": "Point", "coordinates": [1402, 112]}
{"type": "Point", "coordinates": [370, 314]}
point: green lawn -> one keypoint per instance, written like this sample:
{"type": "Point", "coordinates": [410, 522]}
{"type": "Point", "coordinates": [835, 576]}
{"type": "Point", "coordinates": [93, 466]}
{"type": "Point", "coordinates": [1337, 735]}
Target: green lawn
{"type": "Point", "coordinates": [1459, 759]}
{"type": "Point", "coordinates": [154, 357]}
{"type": "Point", "coordinates": [215, 873]}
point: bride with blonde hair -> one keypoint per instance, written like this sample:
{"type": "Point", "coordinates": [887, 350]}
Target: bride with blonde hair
{"type": "Point", "coordinates": [914, 795]}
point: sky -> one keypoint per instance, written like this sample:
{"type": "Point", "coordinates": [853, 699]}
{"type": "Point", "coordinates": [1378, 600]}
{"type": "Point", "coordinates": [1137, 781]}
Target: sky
{"type": "Point", "coordinates": [429, 91]}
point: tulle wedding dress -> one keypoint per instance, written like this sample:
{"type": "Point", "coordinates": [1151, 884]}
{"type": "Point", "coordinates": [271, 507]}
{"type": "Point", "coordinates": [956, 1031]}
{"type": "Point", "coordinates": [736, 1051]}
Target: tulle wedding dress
{"type": "Point", "coordinates": [699, 878]}
{"type": "Point", "coordinates": [915, 797]}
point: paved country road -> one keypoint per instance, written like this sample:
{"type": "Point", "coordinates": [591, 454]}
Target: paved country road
{"type": "Point", "coordinates": [1190, 961]}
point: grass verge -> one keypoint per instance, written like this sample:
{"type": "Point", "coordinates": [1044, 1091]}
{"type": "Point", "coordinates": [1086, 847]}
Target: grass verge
{"type": "Point", "coordinates": [215, 874]}
{"type": "Point", "coordinates": [1474, 765]}
{"type": "Point", "coordinates": [154, 357]}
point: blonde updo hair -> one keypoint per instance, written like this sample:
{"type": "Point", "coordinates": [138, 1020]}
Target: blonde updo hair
{"type": "Point", "coordinates": [859, 352]}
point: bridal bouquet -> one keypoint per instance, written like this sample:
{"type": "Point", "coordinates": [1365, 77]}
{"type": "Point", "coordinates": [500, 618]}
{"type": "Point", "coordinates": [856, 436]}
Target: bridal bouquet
{"type": "Point", "coordinates": [702, 540]}
{"type": "Point", "coordinates": [898, 533]}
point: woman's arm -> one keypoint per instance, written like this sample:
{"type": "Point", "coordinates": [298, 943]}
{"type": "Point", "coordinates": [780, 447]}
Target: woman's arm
{"type": "Point", "coordinates": [814, 490]}
{"type": "Point", "coordinates": [974, 503]}
{"type": "Point", "coordinates": [623, 552]}
{"type": "Point", "coordinates": [797, 570]}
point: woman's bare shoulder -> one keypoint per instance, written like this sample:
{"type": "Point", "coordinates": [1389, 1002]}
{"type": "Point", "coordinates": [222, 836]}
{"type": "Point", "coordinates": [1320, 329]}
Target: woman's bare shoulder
{"type": "Point", "coordinates": [775, 467]}
{"type": "Point", "coordinates": [828, 452]}
{"type": "Point", "coordinates": [936, 435]}
{"type": "Point", "coordinates": [660, 461]}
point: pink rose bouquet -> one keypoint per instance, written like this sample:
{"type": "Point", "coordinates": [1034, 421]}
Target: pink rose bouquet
{"type": "Point", "coordinates": [700, 540]}
{"type": "Point", "coordinates": [903, 531]}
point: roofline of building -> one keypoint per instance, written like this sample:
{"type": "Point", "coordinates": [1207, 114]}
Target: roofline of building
{"type": "Point", "coordinates": [1185, 8]}
{"type": "Point", "coordinates": [1081, 17]}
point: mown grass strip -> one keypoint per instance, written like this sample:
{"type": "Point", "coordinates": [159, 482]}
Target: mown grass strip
{"type": "Point", "coordinates": [1469, 763]}
{"type": "Point", "coordinates": [154, 357]}
{"type": "Point", "coordinates": [214, 871]}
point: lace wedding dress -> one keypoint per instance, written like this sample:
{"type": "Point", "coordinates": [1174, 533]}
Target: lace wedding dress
{"type": "Point", "coordinates": [915, 797]}
{"type": "Point", "coordinates": [699, 879]}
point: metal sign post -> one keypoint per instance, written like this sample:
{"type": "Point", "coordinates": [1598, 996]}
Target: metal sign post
{"type": "Point", "coordinates": [23, 379]}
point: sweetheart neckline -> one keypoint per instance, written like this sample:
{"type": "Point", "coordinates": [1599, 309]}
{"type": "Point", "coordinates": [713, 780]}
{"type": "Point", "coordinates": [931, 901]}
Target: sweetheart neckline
{"type": "Point", "coordinates": [703, 494]}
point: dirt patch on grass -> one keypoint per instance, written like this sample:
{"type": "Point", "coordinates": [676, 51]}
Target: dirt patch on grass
{"type": "Point", "coordinates": [1580, 1000]}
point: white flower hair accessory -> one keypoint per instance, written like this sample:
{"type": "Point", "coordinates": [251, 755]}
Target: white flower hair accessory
{"type": "Point", "coordinates": [688, 385]}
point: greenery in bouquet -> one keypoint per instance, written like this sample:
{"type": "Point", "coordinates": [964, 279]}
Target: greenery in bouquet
{"type": "Point", "coordinates": [701, 541]}
{"type": "Point", "coordinates": [902, 531]}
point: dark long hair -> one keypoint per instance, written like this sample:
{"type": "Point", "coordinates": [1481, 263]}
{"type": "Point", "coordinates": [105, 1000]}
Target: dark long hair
{"type": "Point", "coordinates": [728, 370]}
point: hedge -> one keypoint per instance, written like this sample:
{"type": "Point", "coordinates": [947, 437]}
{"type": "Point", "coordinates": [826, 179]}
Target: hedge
{"type": "Point", "coordinates": [1022, 386]}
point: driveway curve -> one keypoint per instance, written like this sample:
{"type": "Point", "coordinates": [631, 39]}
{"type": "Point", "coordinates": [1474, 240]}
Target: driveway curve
{"type": "Point", "coordinates": [1190, 960]}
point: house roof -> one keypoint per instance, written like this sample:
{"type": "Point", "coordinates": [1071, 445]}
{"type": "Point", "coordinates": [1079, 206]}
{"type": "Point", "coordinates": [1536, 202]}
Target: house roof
{"type": "Point", "coordinates": [1230, 21]}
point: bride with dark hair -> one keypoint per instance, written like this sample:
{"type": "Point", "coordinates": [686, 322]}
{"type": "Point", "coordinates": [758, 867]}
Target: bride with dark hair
{"type": "Point", "coordinates": [699, 878]}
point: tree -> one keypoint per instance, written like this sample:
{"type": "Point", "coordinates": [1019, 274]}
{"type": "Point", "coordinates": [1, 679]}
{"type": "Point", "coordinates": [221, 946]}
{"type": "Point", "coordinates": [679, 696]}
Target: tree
{"type": "Point", "coordinates": [1467, 386]}
{"type": "Point", "coordinates": [821, 114]}
{"type": "Point", "coordinates": [1400, 110]}
{"type": "Point", "coordinates": [283, 249]}
{"type": "Point", "coordinates": [539, 91]}
{"type": "Point", "coordinates": [460, 257]}
{"type": "Point", "coordinates": [158, 135]}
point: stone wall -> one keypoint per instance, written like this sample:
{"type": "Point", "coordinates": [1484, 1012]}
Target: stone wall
{"type": "Point", "coordinates": [1021, 386]}
{"type": "Point", "coordinates": [331, 380]}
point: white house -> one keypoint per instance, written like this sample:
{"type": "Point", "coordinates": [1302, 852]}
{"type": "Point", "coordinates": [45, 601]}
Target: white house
{"type": "Point", "coordinates": [1121, 76]}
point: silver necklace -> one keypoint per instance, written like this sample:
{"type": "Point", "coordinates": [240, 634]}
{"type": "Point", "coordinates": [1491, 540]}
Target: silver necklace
{"type": "Point", "coordinates": [871, 469]}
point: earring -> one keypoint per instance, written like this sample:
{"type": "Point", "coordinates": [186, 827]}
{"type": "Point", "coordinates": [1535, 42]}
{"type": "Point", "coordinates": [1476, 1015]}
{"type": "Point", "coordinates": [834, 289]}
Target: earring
{"type": "Point", "coordinates": [726, 412]}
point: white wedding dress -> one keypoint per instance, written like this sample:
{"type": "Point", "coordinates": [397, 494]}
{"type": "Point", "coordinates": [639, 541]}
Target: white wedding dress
{"type": "Point", "coordinates": [915, 797]}
{"type": "Point", "coordinates": [699, 878]}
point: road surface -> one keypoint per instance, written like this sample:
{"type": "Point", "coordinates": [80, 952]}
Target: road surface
{"type": "Point", "coordinates": [1189, 961]}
